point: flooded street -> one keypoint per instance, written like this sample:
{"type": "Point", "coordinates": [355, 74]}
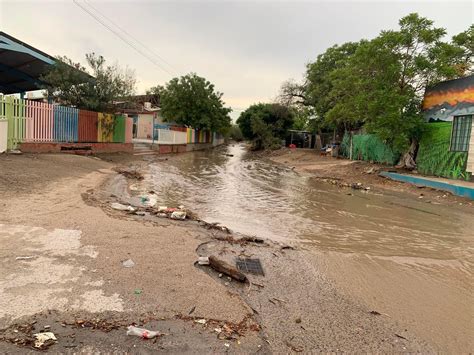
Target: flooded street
{"type": "Point", "coordinates": [404, 257]}
{"type": "Point", "coordinates": [256, 197]}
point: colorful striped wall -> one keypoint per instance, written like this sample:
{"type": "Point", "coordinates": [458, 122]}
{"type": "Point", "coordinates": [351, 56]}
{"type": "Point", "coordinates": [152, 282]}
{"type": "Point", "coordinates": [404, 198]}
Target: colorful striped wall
{"type": "Point", "coordinates": [30, 121]}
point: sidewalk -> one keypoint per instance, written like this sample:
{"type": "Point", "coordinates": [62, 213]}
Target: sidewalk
{"type": "Point", "coordinates": [456, 187]}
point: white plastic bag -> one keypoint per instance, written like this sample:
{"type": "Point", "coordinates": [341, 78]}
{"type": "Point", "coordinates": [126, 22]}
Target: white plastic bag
{"type": "Point", "coordinates": [142, 332]}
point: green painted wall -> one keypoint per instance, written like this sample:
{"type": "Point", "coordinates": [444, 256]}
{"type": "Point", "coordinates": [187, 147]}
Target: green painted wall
{"type": "Point", "coordinates": [119, 129]}
{"type": "Point", "coordinates": [434, 157]}
{"type": "Point", "coordinates": [368, 147]}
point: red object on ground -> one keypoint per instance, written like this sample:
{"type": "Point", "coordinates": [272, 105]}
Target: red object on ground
{"type": "Point", "coordinates": [292, 146]}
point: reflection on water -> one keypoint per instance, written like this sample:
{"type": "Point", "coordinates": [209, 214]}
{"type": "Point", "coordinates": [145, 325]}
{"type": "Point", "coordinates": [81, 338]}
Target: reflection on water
{"type": "Point", "coordinates": [255, 197]}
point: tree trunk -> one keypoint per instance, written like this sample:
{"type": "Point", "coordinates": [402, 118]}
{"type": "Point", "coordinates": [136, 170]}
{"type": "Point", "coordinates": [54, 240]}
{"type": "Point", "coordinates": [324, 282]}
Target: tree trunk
{"type": "Point", "coordinates": [407, 161]}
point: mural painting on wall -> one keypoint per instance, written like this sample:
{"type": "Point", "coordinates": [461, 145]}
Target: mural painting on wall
{"type": "Point", "coordinates": [449, 98]}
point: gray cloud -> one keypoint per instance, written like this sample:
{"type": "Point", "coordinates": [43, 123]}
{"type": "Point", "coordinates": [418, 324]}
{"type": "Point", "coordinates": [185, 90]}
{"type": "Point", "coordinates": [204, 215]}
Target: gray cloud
{"type": "Point", "coordinates": [246, 48]}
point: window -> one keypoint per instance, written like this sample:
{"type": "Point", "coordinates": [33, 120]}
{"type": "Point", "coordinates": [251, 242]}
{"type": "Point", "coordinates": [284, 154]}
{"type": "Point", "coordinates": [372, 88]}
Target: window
{"type": "Point", "coordinates": [461, 133]}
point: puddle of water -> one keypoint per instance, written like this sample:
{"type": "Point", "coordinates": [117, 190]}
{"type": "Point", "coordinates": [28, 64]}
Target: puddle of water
{"type": "Point", "coordinates": [254, 196]}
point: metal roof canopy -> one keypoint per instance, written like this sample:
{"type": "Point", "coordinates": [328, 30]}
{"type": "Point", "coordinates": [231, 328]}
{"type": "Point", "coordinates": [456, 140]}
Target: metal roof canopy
{"type": "Point", "coordinates": [21, 65]}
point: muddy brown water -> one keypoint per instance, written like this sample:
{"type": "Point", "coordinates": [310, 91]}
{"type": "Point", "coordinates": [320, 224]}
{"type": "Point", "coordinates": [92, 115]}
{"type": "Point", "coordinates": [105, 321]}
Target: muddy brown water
{"type": "Point", "coordinates": [409, 259]}
{"type": "Point", "coordinates": [257, 197]}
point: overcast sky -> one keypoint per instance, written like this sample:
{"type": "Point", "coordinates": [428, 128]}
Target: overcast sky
{"type": "Point", "coordinates": [246, 48]}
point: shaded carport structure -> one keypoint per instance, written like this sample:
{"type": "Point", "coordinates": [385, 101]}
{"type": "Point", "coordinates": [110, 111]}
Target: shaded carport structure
{"type": "Point", "coordinates": [21, 65]}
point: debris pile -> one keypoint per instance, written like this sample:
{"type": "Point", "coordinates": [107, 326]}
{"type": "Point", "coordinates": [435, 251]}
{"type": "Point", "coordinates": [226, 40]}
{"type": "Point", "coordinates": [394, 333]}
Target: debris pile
{"type": "Point", "coordinates": [225, 330]}
{"type": "Point", "coordinates": [130, 173]}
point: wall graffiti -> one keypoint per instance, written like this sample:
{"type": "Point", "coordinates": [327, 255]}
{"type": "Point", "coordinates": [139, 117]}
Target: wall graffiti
{"type": "Point", "coordinates": [449, 98]}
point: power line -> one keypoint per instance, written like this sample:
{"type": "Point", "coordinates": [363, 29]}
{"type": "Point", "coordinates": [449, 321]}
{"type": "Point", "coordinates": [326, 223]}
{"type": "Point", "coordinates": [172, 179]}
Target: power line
{"type": "Point", "coordinates": [122, 38]}
{"type": "Point", "coordinates": [130, 35]}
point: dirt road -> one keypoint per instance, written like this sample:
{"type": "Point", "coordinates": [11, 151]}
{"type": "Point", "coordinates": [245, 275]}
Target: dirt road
{"type": "Point", "coordinates": [63, 249]}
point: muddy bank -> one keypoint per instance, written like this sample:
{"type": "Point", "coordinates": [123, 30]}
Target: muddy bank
{"type": "Point", "coordinates": [349, 174]}
{"type": "Point", "coordinates": [78, 244]}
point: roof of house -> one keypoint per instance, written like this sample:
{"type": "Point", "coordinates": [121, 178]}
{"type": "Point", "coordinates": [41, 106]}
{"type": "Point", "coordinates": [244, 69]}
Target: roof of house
{"type": "Point", "coordinates": [21, 65]}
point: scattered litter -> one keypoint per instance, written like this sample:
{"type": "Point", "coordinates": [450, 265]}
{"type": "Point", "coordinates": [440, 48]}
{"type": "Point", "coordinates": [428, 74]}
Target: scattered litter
{"type": "Point", "coordinates": [149, 201]}
{"type": "Point", "coordinates": [192, 310]}
{"type": "Point", "coordinates": [128, 263]}
{"type": "Point", "coordinates": [162, 215]}
{"type": "Point", "coordinates": [25, 257]}
{"type": "Point", "coordinates": [227, 345]}
{"type": "Point", "coordinates": [375, 313]}
{"type": "Point", "coordinates": [181, 215]}
{"type": "Point", "coordinates": [15, 152]}
{"type": "Point", "coordinates": [225, 268]}
{"type": "Point", "coordinates": [138, 291]}
{"type": "Point", "coordinates": [200, 321]}
{"type": "Point", "coordinates": [44, 340]}
{"type": "Point", "coordinates": [143, 333]}
{"type": "Point", "coordinates": [218, 330]}
{"type": "Point", "coordinates": [203, 260]}
{"type": "Point", "coordinates": [181, 207]}
{"type": "Point", "coordinates": [220, 275]}
{"type": "Point", "coordinates": [250, 265]}
{"type": "Point", "coordinates": [162, 208]}
{"type": "Point", "coordinates": [121, 207]}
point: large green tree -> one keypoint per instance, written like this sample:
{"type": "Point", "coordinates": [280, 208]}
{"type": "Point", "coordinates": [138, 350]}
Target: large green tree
{"type": "Point", "coordinates": [94, 87]}
{"type": "Point", "coordinates": [379, 83]}
{"type": "Point", "coordinates": [266, 124]}
{"type": "Point", "coordinates": [191, 100]}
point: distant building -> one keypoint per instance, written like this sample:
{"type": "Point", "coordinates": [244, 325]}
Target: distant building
{"type": "Point", "coordinates": [145, 112]}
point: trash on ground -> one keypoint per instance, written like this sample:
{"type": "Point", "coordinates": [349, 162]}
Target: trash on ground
{"type": "Point", "coordinates": [162, 208]}
{"type": "Point", "coordinates": [142, 332]}
{"type": "Point", "coordinates": [25, 257]}
{"type": "Point", "coordinates": [138, 291]}
{"type": "Point", "coordinates": [218, 330]}
{"type": "Point", "coordinates": [44, 340]}
{"type": "Point", "coordinates": [181, 215]}
{"type": "Point", "coordinates": [227, 345]}
{"type": "Point", "coordinates": [225, 268]}
{"type": "Point", "coordinates": [375, 313]}
{"type": "Point", "coordinates": [15, 151]}
{"type": "Point", "coordinates": [192, 310]}
{"type": "Point", "coordinates": [128, 263]}
{"type": "Point", "coordinates": [203, 260]}
{"type": "Point", "coordinates": [122, 207]}
{"type": "Point", "coordinates": [200, 321]}
{"type": "Point", "coordinates": [149, 200]}
{"type": "Point", "coordinates": [253, 266]}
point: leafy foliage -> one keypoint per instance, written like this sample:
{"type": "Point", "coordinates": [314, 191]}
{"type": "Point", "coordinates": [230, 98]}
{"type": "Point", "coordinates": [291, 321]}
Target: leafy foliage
{"type": "Point", "coordinates": [95, 89]}
{"type": "Point", "coordinates": [378, 84]}
{"type": "Point", "coordinates": [266, 124]}
{"type": "Point", "coordinates": [192, 101]}
{"type": "Point", "coordinates": [235, 133]}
